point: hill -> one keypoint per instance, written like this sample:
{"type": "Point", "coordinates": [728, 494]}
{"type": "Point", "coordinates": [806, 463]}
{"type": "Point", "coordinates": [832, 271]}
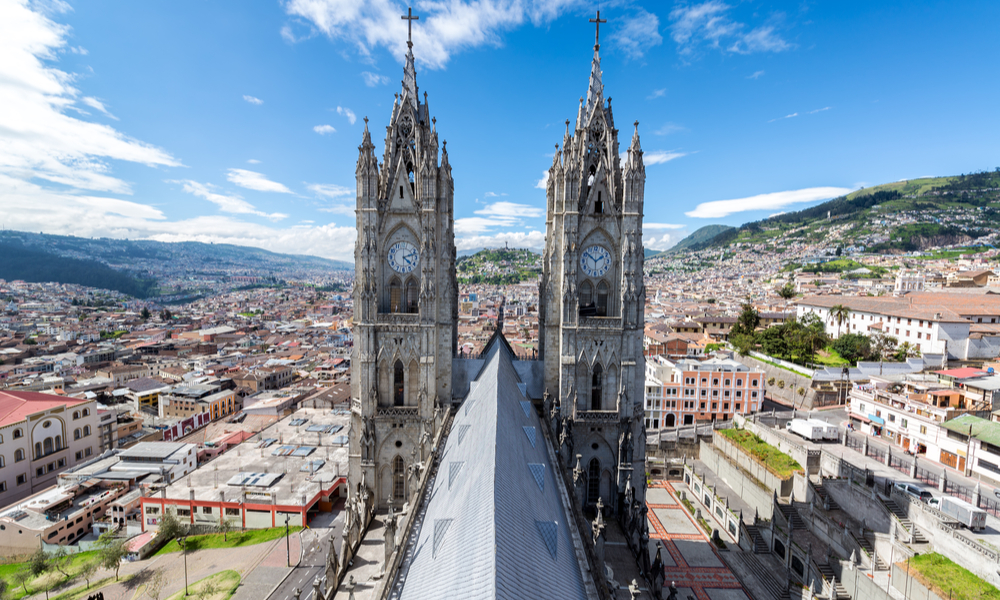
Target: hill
{"type": "Point", "coordinates": [502, 266]}
{"type": "Point", "coordinates": [701, 236]}
{"type": "Point", "coordinates": [146, 268]}
{"type": "Point", "coordinates": [903, 216]}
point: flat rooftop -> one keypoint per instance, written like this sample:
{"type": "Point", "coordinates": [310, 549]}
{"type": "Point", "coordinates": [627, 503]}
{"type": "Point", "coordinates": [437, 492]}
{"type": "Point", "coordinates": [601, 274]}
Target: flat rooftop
{"type": "Point", "coordinates": [319, 458]}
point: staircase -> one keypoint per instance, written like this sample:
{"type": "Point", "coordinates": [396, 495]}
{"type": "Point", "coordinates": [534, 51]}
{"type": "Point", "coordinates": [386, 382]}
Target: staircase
{"type": "Point", "coordinates": [894, 508]}
{"type": "Point", "coordinates": [792, 516]}
{"type": "Point", "coordinates": [824, 496]}
{"type": "Point", "coordinates": [840, 592]}
{"type": "Point", "coordinates": [866, 544]}
{"type": "Point", "coordinates": [759, 545]}
{"type": "Point", "coordinates": [746, 565]}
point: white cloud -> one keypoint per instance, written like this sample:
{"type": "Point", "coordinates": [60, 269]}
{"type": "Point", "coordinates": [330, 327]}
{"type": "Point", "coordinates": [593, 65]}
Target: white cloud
{"type": "Point", "coordinates": [795, 114]}
{"type": "Point", "coordinates": [756, 75]}
{"type": "Point", "coordinates": [708, 23]}
{"type": "Point", "coordinates": [41, 141]}
{"type": "Point", "coordinates": [253, 180]}
{"type": "Point", "coordinates": [253, 161]}
{"type": "Point", "coordinates": [665, 241]}
{"type": "Point", "coordinates": [637, 34]}
{"type": "Point", "coordinates": [98, 105]}
{"type": "Point", "coordinates": [657, 157]}
{"type": "Point", "coordinates": [346, 112]}
{"type": "Point", "coordinates": [669, 128]}
{"type": "Point", "coordinates": [324, 129]}
{"type": "Point", "coordinates": [443, 28]}
{"type": "Point", "coordinates": [494, 194]}
{"type": "Point", "coordinates": [657, 94]}
{"type": "Point", "coordinates": [252, 100]}
{"type": "Point", "coordinates": [498, 215]}
{"type": "Point", "coordinates": [330, 190]}
{"type": "Point", "coordinates": [511, 210]}
{"type": "Point", "coordinates": [516, 239]}
{"type": "Point", "coordinates": [79, 50]}
{"type": "Point", "coordinates": [662, 226]}
{"type": "Point", "coordinates": [544, 181]}
{"type": "Point", "coordinates": [374, 79]}
{"type": "Point", "coordinates": [772, 201]}
{"type": "Point", "coordinates": [226, 203]}
{"type": "Point", "coordinates": [339, 209]}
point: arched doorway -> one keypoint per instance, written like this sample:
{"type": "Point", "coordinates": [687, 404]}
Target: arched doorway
{"type": "Point", "coordinates": [668, 421]}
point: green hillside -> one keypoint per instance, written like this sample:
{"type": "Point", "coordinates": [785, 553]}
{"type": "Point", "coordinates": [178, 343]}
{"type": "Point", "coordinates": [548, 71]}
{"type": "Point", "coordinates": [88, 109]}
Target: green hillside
{"type": "Point", "coordinates": [19, 262]}
{"type": "Point", "coordinates": [498, 267]}
{"type": "Point", "coordinates": [701, 236]}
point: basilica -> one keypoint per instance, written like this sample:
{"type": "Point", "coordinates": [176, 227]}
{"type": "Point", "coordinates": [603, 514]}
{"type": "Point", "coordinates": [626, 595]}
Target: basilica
{"type": "Point", "coordinates": [495, 476]}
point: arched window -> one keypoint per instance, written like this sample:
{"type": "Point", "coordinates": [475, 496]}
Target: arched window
{"type": "Point", "coordinates": [395, 296]}
{"type": "Point", "coordinates": [86, 430]}
{"type": "Point", "coordinates": [596, 385]}
{"type": "Point", "coordinates": [3, 463]}
{"type": "Point", "coordinates": [47, 446]}
{"type": "Point", "coordinates": [76, 433]}
{"type": "Point", "coordinates": [86, 412]}
{"type": "Point", "coordinates": [602, 299]}
{"type": "Point", "coordinates": [397, 384]}
{"type": "Point", "coordinates": [76, 415]}
{"type": "Point", "coordinates": [586, 295]}
{"type": "Point", "coordinates": [18, 433]}
{"type": "Point", "coordinates": [593, 481]}
{"type": "Point", "coordinates": [18, 455]}
{"type": "Point", "coordinates": [38, 449]}
{"type": "Point", "coordinates": [398, 479]}
{"type": "Point", "coordinates": [590, 179]}
{"type": "Point", "coordinates": [59, 444]}
{"type": "Point", "coordinates": [411, 295]}
{"type": "Point", "coordinates": [670, 420]}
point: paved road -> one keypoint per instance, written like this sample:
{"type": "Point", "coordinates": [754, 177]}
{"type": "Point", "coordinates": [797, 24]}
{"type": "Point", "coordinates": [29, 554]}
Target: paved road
{"type": "Point", "coordinates": [315, 545]}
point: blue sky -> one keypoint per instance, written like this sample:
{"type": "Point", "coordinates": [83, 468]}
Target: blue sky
{"type": "Point", "coordinates": [239, 122]}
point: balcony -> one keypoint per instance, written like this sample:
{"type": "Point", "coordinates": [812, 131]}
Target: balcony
{"type": "Point", "coordinates": [409, 413]}
{"type": "Point", "coordinates": [601, 416]}
{"type": "Point", "coordinates": [397, 318]}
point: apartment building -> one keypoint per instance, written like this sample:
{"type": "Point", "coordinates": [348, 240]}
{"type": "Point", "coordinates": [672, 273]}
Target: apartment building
{"type": "Point", "coordinates": [690, 391]}
{"type": "Point", "coordinates": [42, 435]}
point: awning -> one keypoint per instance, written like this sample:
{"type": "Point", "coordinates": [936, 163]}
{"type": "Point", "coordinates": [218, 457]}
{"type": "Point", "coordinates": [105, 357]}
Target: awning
{"type": "Point", "coordinates": [878, 420]}
{"type": "Point", "coordinates": [861, 418]}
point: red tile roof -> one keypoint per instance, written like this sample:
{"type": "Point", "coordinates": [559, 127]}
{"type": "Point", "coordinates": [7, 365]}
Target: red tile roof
{"type": "Point", "coordinates": [963, 373]}
{"type": "Point", "coordinates": [16, 406]}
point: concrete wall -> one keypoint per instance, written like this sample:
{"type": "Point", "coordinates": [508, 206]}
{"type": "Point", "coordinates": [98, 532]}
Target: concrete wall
{"type": "Point", "coordinates": [787, 443]}
{"type": "Point", "coordinates": [909, 586]}
{"type": "Point", "coordinates": [721, 516]}
{"type": "Point", "coordinates": [746, 462]}
{"type": "Point", "coordinates": [793, 381]}
{"type": "Point", "coordinates": [857, 582]}
{"type": "Point", "coordinates": [752, 491]}
{"type": "Point", "coordinates": [857, 502]}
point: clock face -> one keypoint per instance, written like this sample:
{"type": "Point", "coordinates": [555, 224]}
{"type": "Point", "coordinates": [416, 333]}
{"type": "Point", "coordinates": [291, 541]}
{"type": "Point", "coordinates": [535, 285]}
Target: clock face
{"type": "Point", "coordinates": [595, 261]}
{"type": "Point", "coordinates": [403, 257]}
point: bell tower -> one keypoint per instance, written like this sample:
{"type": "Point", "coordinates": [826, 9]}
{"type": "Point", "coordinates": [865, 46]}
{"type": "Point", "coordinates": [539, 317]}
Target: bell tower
{"type": "Point", "coordinates": [405, 297]}
{"type": "Point", "coordinates": [592, 299]}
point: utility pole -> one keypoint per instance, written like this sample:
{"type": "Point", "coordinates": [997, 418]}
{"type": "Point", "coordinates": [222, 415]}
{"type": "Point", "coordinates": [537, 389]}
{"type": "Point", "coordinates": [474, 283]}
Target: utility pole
{"type": "Point", "coordinates": [181, 541]}
{"type": "Point", "coordinates": [288, 544]}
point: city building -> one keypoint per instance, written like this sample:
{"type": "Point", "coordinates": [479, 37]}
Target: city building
{"type": "Point", "coordinates": [689, 391]}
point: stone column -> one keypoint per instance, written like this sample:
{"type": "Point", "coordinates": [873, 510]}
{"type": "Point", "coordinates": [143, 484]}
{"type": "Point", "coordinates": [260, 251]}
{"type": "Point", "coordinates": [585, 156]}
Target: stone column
{"type": "Point", "coordinates": [888, 455]}
{"type": "Point", "coordinates": [976, 493]}
{"type": "Point", "coordinates": [943, 481]}
{"type": "Point", "coordinates": [913, 467]}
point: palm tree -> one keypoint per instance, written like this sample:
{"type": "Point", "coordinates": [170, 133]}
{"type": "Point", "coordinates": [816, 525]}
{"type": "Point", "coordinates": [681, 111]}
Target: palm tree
{"type": "Point", "coordinates": [841, 314]}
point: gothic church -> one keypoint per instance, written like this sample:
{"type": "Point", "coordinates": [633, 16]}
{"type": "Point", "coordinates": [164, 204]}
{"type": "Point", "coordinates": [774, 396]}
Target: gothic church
{"type": "Point", "coordinates": [503, 458]}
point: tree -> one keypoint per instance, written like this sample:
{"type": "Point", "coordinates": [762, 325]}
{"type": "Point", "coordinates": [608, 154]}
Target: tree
{"type": "Point", "coordinates": [61, 561]}
{"type": "Point", "coordinates": [145, 313]}
{"type": "Point", "coordinates": [840, 315]}
{"type": "Point", "coordinates": [38, 563]}
{"type": "Point", "coordinates": [224, 526]}
{"type": "Point", "coordinates": [748, 320]}
{"type": "Point", "coordinates": [209, 588]}
{"type": "Point", "coordinates": [111, 550]}
{"type": "Point", "coordinates": [853, 346]}
{"type": "Point", "coordinates": [89, 569]}
{"type": "Point", "coordinates": [155, 585]}
{"type": "Point", "coordinates": [883, 345]}
{"type": "Point", "coordinates": [170, 527]}
{"type": "Point", "coordinates": [21, 577]}
{"type": "Point", "coordinates": [907, 350]}
{"type": "Point", "coordinates": [787, 291]}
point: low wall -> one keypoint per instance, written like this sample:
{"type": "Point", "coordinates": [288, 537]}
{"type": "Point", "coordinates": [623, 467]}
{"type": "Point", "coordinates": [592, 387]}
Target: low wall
{"type": "Point", "coordinates": [783, 487]}
{"type": "Point", "coordinates": [751, 490]}
{"type": "Point", "coordinates": [787, 443]}
{"type": "Point", "coordinates": [859, 504]}
{"type": "Point", "coordinates": [793, 381]}
{"type": "Point", "coordinates": [715, 506]}
{"type": "Point", "coordinates": [909, 586]}
{"type": "Point", "coordinates": [857, 582]}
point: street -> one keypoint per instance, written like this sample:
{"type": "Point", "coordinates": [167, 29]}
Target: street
{"type": "Point", "coordinates": [315, 544]}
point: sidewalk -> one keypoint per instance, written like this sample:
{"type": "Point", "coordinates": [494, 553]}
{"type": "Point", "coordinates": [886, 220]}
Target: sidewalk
{"type": "Point", "coordinates": [270, 571]}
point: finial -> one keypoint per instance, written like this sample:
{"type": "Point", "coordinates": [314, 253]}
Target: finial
{"type": "Point", "coordinates": [433, 119]}
{"type": "Point", "coordinates": [444, 144]}
{"type": "Point", "coordinates": [409, 17]}
{"type": "Point", "coordinates": [425, 96]}
{"type": "Point", "coordinates": [597, 33]}
{"type": "Point", "coordinates": [637, 125]}
{"type": "Point", "coordinates": [366, 120]}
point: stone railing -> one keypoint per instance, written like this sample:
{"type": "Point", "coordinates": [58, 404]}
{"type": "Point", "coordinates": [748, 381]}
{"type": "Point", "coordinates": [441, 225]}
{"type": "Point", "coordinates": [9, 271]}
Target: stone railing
{"type": "Point", "coordinates": [398, 412]}
{"type": "Point", "coordinates": [605, 416]}
{"type": "Point", "coordinates": [397, 318]}
{"type": "Point", "coordinates": [601, 322]}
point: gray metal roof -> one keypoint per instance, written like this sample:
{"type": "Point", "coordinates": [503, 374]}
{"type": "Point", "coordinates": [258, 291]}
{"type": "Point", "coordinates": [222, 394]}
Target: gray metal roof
{"type": "Point", "coordinates": [494, 526]}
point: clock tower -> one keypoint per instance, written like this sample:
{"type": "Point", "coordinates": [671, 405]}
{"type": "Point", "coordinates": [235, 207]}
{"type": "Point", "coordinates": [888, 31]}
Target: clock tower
{"type": "Point", "coordinates": [405, 298]}
{"type": "Point", "coordinates": [591, 301]}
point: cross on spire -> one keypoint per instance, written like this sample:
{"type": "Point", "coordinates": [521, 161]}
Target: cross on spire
{"type": "Point", "coordinates": [597, 34]}
{"type": "Point", "coordinates": [409, 17]}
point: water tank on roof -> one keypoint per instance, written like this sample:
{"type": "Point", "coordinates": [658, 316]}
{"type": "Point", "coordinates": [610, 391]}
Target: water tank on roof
{"type": "Point", "coordinates": [990, 370]}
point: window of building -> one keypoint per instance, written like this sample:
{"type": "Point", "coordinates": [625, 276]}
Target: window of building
{"type": "Point", "coordinates": [753, 394]}
{"type": "Point", "coordinates": [704, 393]}
{"type": "Point", "coordinates": [725, 406]}
{"type": "Point", "coordinates": [232, 512]}
{"type": "Point", "coordinates": [18, 455]}
{"type": "Point", "coordinates": [737, 406]}
{"type": "Point", "coordinates": [77, 434]}
{"type": "Point", "coordinates": [395, 293]}
{"type": "Point", "coordinates": [76, 415]}
{"type": "Point", "coordinates": [22, 479]}
{"type": "Point", "coordinates": [725, 382]}
{"type": "Point", "coordinates": [18, 433]}
{"type": "Point", "coordinates": [715, 405]}
{"type": "Point", "coordinates": [412, 294]}
{"type": "Point", "coordinates": [79, 455]}
{"type": "Point", "coordinates": [923, 429]}
{"type": "Point", "coordinates": [397, 384]}
{"type": "Point", "coordinates": [586, 295]}
{"type": "Point", "coordinates": [602, 299]}
{"type": "Point", "coordinates": [88, 452]}
{"type": "Point", "coordinates": [152, 510]}
{"type": "Point", "coordinates": [739, 382]}
{"type": "Point", "coordinates": [398, 479]}
{"type": "Point", "coordinates": [86, 430]}
{"type": "Point", "coordinates": [3, 486]}
{"type": "Point", "coordinates": [39, 471]}
{"type": "Point", "coordinates": [715, 381]}
{"type": "Point", "coordinates": [593, 481]}
{"type": "Point", "coordinates": [596, 385]}
{"type": "Point", "coordinates": [753, 383]}
{"type": "Point", "coordinates": [61, 463]}
{"type": "Point", "coordinates": [702, 406]}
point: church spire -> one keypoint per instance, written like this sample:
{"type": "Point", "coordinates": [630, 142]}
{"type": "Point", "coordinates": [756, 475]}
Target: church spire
{"type": "Point", "coordinates": [409, 71]}
{"type": "Point", "coordinates": [595, 93]}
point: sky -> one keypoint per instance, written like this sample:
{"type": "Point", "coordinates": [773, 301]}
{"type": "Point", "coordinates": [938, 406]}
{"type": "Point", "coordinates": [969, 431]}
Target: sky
{"type": "Point", "coordinates": [239, 122]}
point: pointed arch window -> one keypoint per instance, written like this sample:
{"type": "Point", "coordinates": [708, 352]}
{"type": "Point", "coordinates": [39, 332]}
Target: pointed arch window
{"type": "Point", "coordinates": [586, 296]}
{"type": "Point", "coordinates": [591, 177]}
{"type": "Point", "coordinates": [602, 299]}
{"type": "Point", "coordinates": [599, 204]}
{"type": "Point", "coordinates": [395, 295]}
{"type": "Point", "coordinates": [398, 479]}
{"type": "Point", "coordinates": [412, 294]}
{"type": "Point", "coordinates": [47, 446]}
{"type": "Point", "coordinates": [593, 481]}
{"type": "Point", "coordinates": [409, 175]}
{"type": "Point", "coordinates": [596, 385]}
{"type": "Point", "coordinates": [398, 395]}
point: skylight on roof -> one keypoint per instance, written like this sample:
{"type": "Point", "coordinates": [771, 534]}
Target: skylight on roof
{"type": "Point", "coordinates": [304, 450]}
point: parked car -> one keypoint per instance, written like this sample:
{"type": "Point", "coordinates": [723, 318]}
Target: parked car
{"type": "Point", "coordinates": [914, 491]}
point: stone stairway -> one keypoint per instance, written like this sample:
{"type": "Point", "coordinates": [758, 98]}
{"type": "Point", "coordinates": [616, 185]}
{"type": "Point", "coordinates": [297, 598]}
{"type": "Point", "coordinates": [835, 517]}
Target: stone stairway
{"type": "Point", "coordinates": [792, 515]}
{"type": "Point", "coordinates": [896, 509]}
{"type": "Point", "coordinates": [824, 495]}
{"type": "Point", "coordinates": [840, 592]}
{"type": "Point", "coordinates": [755, 576]}
{"type": "Point", "coordinates": [870, 549]}
{"type": "Point", "coordinates": [759, 545]}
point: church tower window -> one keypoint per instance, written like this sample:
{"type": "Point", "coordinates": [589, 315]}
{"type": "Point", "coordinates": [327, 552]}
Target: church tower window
{"type": "Point", "coordinates": [397, 384]}
{"type": "Point", "coordinates": [395, 295]}
{"type": "Point", "coordinates": [409, 171]}
{"type": "Point", "coordinates": [411, 295]}
{"type": "Point", "coordinates": [602, 299]}
{"type": "Point", "coordinates": [596, 385]}
{"type": "Point", "coordinates": [593, 481]}
{"type": "Point", "coordinates": [599, 205]}
{"type": "Point", "coordinates": [586, 295]}
{"type": "Point", "coordinates": [590, 179]}
{"type": "Point", "coordinates": [398, 479]}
